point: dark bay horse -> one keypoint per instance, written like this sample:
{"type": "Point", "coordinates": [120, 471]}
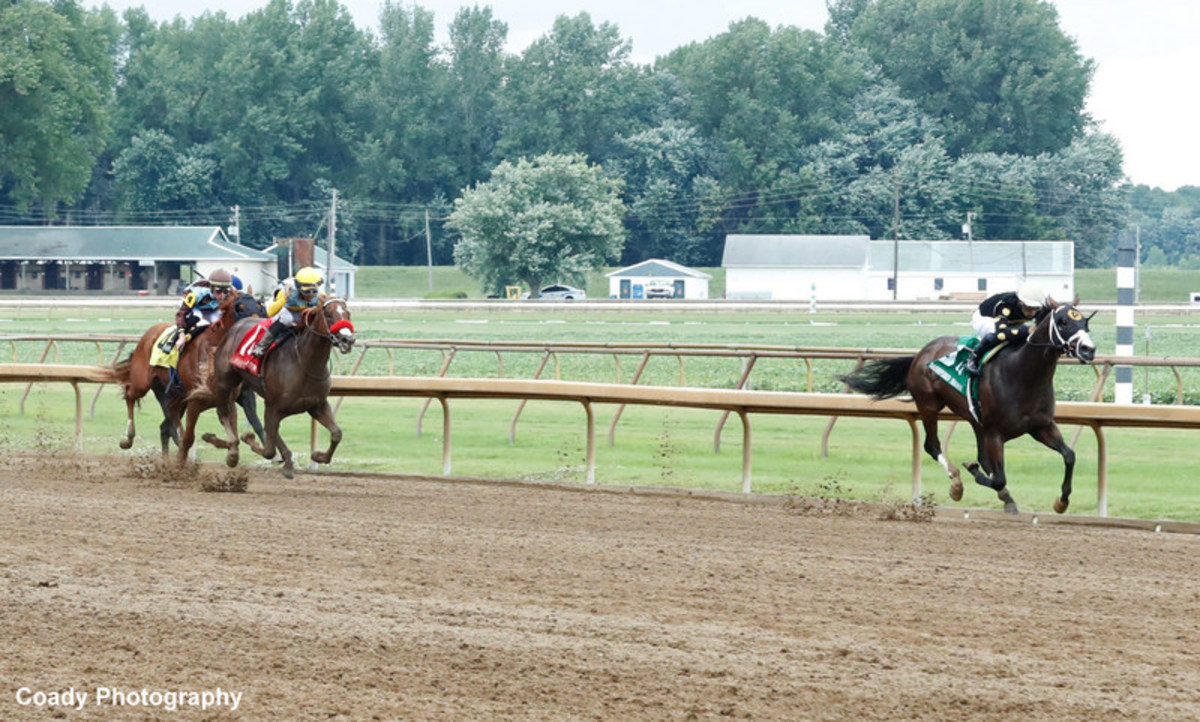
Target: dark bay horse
{"type": "Point", "coordinates": [294, 378]}
{"type": "Point", "coordinates": [1016, 397]}
{"type": "Point", "coordinates": [137, 377]}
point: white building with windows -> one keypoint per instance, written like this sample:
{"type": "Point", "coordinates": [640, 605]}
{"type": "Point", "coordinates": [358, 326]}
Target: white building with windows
{"type": "Point", "coordinates": [855, 268]}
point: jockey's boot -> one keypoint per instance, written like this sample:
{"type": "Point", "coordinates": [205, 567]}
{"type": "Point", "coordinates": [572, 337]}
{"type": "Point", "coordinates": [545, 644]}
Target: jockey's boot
{"type": "Point", "coordinates": [267, 339]}
{"type": "Point", "coordinates": [975, 360]}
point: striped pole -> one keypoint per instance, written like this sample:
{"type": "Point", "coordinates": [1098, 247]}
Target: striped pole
{"type": "Point", "coordinates": [1126, 280]}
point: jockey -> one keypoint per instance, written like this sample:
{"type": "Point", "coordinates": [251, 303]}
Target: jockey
{"type": "Point", "coordinates": [295, 294]}
{"type": "Point", "coordinates": [1002, 318]}
{"type": "Point", "coordinates": [201, 305]}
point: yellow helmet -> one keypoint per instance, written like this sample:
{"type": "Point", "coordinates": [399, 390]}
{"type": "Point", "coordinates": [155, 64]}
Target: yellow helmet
{"type": "Point", "coordinates": [308, 276]}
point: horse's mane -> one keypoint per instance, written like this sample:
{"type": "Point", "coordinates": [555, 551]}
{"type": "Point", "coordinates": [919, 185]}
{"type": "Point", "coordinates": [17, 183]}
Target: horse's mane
{"type": "Point", "coordinates": [226, 309]}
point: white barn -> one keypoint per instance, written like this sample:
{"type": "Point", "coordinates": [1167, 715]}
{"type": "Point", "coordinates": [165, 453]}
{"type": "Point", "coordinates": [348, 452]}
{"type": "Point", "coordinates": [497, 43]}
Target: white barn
{"type": "Point", "coordinates": [655, 273]}
{"type": "Point", "coordinates": [969, 270]}
{"type": "Point", "coordinates": [854, 268]}
{"type": "Point", "coordinates": [794, 268]}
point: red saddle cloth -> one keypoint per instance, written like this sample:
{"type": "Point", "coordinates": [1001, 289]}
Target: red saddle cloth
{"type": "Point", "coordinates": [241, 355]}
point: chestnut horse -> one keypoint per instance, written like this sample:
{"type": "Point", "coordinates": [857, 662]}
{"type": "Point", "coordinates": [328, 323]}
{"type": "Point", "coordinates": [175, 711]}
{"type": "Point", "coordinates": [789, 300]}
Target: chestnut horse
{"type": "Point", "coordinates": [293, 378]}
{"type": "Point", "coordinates": [137, 377]}
{"type": "Point", "coordinates": [1016, 397]}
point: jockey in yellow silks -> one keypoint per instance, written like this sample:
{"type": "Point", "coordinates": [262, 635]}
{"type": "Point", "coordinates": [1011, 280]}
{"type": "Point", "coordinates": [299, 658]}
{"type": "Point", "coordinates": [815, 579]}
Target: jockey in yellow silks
{"type": "Point", "coordinates": [300, 292]}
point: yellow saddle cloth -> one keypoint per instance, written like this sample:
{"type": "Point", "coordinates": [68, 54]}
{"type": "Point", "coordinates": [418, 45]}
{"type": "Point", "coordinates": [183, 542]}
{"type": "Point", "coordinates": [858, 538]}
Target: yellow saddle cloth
{"type": "Point", "coordinates": [164, 353]}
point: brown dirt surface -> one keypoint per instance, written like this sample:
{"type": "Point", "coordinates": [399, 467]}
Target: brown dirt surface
{"type": "Point", "coordinates": [362, 598]}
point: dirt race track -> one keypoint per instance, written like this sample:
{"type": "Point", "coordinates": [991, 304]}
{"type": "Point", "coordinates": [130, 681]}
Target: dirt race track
{"type": "Point", "coordinates": [362, 598]}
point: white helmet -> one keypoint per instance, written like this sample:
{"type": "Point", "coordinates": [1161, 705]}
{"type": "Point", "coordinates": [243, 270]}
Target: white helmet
{"type": "Point", "coordinates": [1031, 294]}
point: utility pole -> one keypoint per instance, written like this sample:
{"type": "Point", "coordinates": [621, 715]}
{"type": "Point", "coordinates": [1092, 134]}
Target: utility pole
{"type": "Point", "coordinates": [332, 244]}
{"type": "Point", "coordinates": [896, 242]}
{"type": "Point", "coordinates": [235, 230]}
{"type": "Point", "coordinates": [967, 229]}
{"type": "Point", "coordinates": [429, 249]}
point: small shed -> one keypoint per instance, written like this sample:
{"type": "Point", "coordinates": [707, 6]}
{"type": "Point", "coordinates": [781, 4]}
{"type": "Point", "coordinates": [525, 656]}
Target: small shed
{"type": "Point", "coordinates": [657, 278]}
{"type": "Point", "coordinates": [121, 259]}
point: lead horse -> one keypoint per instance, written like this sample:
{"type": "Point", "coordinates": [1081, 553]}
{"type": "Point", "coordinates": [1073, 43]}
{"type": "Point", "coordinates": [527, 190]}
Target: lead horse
{"type": "Point", "coordinates": [1016, 397]}
{"type": "Point", "coordinates": [137, 377]}
{"type": "Point", "coordinates": [294, 378]}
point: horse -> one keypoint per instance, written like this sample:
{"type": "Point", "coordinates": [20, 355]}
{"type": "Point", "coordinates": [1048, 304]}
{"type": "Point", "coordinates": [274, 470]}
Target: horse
{"type": "Point", "coordinates": [137, 377]}
{"type": "Point", "coordinates": [292, 378]}
{"type": "Point", "coordinates": [1016, 397]}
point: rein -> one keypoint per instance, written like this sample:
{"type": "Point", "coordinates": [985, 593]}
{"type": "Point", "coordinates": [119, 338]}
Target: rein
{"type": "Point", "coordinates": [313, 325]}
{"type": "Point", "coordinates": [330, 331]}
{"type": "Point", "coordinates": [1058, 341]}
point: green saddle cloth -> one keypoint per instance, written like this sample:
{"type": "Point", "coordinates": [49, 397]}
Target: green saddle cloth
{"type": "Point", "coordinates": [952, 368]}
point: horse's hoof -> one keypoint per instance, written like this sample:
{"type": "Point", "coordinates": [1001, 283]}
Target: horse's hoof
{"type": "Point", "coordinates": [1060, 506]}
{"type": "Point", "coordinates": [231, 460]}
{"type": "Point", "coordinates": [956, 491]}
{"type": "Point", "coordinates": [125, 443]}
{"type": "Point", "coordinates": [320, 457]}
{"type": "Point", "coordinates": [209, 438]}
{"type": "Point", "coordinates": [289, 472]}
{"type": "Point", "coordinates": [249, 438]}
{"type": "Point", "coordinates": [1010, 507]}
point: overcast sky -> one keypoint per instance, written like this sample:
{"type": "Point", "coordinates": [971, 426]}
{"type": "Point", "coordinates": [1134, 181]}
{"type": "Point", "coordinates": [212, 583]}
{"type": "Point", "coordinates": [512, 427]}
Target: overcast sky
{"type": "Point", "coordinates": [1144, 91]}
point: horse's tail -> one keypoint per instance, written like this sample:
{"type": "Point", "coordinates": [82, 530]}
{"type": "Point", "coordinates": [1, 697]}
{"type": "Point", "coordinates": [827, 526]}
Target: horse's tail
{"type": "Point", "coordinates": [881, 378]}
{"type": "Point", "coordinates": [119, 372]}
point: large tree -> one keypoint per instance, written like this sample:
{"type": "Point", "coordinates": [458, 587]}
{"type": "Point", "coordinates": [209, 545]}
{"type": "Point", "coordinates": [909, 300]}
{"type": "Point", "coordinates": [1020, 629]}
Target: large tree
{"type": "Point", "coordinates": [553, 218]}
{"type": "Point", "coordinates": [669, 173]}
{"type": "Point", "coordinates": [574, 90]}
{"type": "Point", "coordinates": [1000, 75]}
{"type": "Point", "coordinates": [56, 72]}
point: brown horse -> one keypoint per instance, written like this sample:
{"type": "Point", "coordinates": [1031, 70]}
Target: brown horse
{"type": "Point", "coordinates": [293, 378]}
{"type": "Point", "coordinates": [1016, 397]}
{"type": "Point", "coordinates": [137, 377]}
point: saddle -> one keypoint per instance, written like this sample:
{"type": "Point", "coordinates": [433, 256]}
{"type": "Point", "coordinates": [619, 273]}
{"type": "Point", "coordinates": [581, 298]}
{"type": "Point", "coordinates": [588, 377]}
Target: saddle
{"type": "Point", "coordinates": [952, 368]}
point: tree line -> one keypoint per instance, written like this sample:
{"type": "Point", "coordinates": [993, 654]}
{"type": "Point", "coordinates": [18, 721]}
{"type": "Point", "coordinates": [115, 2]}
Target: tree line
{"type": "Point", "coordinates": [901, 119]}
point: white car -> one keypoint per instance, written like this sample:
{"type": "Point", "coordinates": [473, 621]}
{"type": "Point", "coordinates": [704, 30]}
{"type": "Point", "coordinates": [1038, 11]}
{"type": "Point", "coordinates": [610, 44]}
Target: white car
{"type": "Point", "coordinates": [559, 292]}
{"type": "Point", "coordinates": [659, 289]}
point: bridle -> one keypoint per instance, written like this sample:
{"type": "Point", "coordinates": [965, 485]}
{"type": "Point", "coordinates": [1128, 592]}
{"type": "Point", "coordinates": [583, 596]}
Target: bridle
{"type": "Point", "coordinates": [1059, 341]}
{"type": "Point", "coordinates": [323, 328]}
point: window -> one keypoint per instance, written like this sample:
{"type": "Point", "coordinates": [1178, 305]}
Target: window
{"type": "Point", "coordinates": [938, 283]}
{"type": "Point", "coordinates": [891, 284]}
{"type": "Point", "coordinates": [982, 284]}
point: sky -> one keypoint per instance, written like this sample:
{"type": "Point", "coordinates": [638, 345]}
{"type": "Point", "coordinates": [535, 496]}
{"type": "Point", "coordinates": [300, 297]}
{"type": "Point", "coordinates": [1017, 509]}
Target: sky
{"type": "Point", "coordinates": [1143, 91]}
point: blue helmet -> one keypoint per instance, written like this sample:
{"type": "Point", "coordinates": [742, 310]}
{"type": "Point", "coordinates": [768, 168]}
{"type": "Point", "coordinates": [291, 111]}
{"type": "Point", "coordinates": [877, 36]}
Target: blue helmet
{"type": "Point", "coordinates": [201, 297]}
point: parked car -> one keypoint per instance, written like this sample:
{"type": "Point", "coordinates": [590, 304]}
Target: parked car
{"type": "Point", "coordinates": [659, 289]}
{"type": "Point", "coordinates": [560, 292]}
